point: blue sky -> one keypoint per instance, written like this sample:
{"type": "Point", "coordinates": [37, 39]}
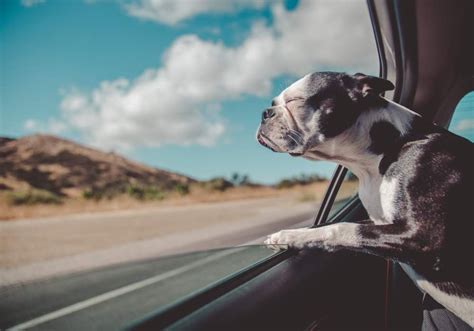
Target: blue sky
{"type": "Point", "coordinates": [462, 122]}
{"type": "Point", "coordinates": [177, 86]}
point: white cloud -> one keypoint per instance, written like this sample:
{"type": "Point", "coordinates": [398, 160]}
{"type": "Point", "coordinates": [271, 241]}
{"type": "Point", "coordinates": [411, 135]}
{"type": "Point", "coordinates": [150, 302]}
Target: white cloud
{"type": "Point", "coordinates": [56, 126]}
{"type": "Point", "coordinates": [465, 125]}
{"type": "Point", "coordinates": [53, 126]}
{"type": "Point", "coordinates": [31, 3]}
{"type": "Point", "coordinates": [174, 11]}
{"type": "Point", "coordinates": [145, 112]}
{"type": "Point", "coordinates": [30, 125]}
{"type": "Point", "coordinates": [178, 103]}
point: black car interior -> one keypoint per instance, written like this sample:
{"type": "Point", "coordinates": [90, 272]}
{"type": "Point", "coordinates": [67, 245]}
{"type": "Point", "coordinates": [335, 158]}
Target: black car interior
{"type": "Point", "coordinates": [425, 48]}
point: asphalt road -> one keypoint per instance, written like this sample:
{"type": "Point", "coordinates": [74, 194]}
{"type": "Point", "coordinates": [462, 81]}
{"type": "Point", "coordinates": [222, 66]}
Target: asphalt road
{"type": "Point", "coordinates": [110, 298]}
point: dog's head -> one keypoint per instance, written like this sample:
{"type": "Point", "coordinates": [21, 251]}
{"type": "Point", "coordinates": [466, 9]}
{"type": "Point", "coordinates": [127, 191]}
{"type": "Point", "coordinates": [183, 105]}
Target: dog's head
{"type": "Point", "coordinates": [316, 108]}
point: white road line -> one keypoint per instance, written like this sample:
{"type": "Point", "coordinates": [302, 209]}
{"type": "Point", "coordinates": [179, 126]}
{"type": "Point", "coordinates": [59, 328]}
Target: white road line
{"type": "Point", "coordinates": [118, 292]}
{"type": "Point", "coordinates": [128, 288]}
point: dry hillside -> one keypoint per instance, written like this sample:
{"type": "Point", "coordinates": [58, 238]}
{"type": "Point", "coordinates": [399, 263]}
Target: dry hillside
{"type": "Point", "coordinates": [66, 168]}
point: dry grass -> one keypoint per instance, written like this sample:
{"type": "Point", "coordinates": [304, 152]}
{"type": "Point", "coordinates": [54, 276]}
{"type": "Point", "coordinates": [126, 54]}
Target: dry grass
{"type": "Point", "coordinates": [197, 194]}
{"type": "Point", "coordinates": [347, 189]}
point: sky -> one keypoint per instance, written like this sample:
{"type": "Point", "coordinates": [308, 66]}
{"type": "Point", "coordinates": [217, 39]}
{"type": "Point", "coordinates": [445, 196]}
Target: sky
{"type": "Point", "coordinates": [176, 84]}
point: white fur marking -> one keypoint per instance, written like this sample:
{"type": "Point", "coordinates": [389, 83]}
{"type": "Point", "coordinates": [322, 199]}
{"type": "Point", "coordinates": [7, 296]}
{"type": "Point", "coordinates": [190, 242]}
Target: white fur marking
{"type": "Point", "coordinates": [370, 197]}
{"type": "Point", "coordinates": [462, 307]}
{"type": "Point", "coordinates": [388, 192]}
{"type": "Point", "coordinates": [328, 237]}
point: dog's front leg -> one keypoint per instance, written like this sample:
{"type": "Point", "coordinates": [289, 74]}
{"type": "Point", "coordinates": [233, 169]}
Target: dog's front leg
{"type": "Point", "coordinates": [388, 240]}
{"type": "Point", "coordinates": [328, 237]}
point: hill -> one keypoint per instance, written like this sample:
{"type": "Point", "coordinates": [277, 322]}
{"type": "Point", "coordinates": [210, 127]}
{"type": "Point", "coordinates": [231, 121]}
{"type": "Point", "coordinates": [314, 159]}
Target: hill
{"type": "Point", "coordinates": [66, 168]}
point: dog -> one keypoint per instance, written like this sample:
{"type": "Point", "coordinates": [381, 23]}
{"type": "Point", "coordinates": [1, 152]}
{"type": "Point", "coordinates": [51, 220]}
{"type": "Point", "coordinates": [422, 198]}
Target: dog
{"type": "Point", "coordinates": [415, 180]}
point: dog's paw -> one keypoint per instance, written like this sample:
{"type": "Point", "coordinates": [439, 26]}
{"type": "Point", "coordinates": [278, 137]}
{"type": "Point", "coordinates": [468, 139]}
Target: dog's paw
{"type": "Point", "coordinates": [273, 244]}
{"type": "Point", "coordinates": [286, 239]}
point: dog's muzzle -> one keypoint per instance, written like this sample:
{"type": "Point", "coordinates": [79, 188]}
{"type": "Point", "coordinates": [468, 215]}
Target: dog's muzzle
{"type": "Point", "coordinates": [267, 114]}
{"type": "Point", "coordinates": [260, 139]}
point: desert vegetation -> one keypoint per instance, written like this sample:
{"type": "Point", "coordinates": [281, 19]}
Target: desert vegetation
{"type": "Point", "coordinates": [142, 192]}
{"type": "Point", "coordinates": [35, 203]}
{"type": "Point", "coordinates": [32, 197]}
{"type": "Point", "coordinates": [301, 180]}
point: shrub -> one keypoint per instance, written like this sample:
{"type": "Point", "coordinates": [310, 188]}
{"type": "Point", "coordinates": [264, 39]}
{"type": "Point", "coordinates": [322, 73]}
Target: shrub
{"type": "Point", "coordinates": [299, 180]}
{"type": "Point", "coordinates": [285, 183]}
{"type": "Point", "coordinates": [145, 192]}
{"type": "Point", "coordinates": [240, 180]}
{"type": "Point", "coordinates": [92, 194]}
{"type": "Point", "coordinates": [139, 192]}
{"type": "Point", "coordinates": [218, 184]}
{"type": "Point", "coordinates": [182, 189]}
{"type": "Point", "coordinates": [33, 197]}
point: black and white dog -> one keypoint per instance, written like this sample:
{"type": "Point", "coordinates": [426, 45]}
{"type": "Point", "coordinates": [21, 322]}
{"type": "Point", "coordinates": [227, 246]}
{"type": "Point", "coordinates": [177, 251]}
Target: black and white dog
{"type": "Point", "coordinates": [415, 180]}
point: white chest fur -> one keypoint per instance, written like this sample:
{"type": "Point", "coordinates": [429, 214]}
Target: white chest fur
{"type": "Point", "coordinates": [379, 197]}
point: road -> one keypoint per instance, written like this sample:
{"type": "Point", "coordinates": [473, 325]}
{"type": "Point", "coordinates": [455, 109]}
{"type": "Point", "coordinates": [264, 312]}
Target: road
{"type": "Point", "coordinates": [105, 286]}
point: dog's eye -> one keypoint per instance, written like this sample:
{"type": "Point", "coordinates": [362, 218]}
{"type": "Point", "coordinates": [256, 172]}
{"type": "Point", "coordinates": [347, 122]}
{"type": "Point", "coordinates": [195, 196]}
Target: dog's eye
{"type": "Point", "coordinates": [293, 99]}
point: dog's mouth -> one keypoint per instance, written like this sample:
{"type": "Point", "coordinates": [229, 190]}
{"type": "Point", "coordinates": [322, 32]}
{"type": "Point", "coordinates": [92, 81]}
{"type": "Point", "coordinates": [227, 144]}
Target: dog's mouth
{"type": "Point", "coordinates": [261, 139]}
{"type": "Point", "coordinates": [268, 143]}
{"type": "Point", "coordinates": [296, 154]}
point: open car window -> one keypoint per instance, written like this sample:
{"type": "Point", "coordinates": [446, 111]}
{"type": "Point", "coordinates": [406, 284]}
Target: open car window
{"type": "Point", "coordinates": [462, 122]}
{"type": "Point", "coordinates": [347, 192]}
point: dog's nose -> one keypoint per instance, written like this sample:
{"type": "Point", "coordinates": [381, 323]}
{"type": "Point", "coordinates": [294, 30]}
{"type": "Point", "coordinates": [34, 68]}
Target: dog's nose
{"type": "Point", "coordinates": [269, 113]}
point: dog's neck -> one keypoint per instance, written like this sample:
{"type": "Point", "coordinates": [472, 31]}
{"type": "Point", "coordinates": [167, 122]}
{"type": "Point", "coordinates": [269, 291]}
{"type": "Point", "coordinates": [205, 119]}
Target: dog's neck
{"type": "Point", "coordinates": [352, 148]}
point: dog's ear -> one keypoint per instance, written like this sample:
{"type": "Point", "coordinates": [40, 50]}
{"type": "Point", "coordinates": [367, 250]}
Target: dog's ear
{"type": "Point", "coordinates": [372, 85]}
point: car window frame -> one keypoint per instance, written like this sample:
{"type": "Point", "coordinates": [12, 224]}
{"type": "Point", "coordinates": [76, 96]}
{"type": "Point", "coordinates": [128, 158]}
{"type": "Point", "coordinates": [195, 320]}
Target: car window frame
{"type": "Point", "coordinates": [330, 196]}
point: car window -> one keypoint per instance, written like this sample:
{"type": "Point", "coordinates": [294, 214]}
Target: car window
{"type": "Point", "coordinates": [462, 122]}
{"type": "Point", "coordinates": [347, 191]}
{"type": "Point", "coordinates": [127, 133]}
{"type": "Point", "coordinates": [171, 279]}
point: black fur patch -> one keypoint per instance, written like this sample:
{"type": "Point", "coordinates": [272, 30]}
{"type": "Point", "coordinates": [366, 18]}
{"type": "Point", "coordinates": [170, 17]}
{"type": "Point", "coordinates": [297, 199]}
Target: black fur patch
{"type": "Point", "coordinates": [342, 95]}
{"type": "Point", "coordinates": [330, 93]}
{"type": "Point", "coordinates": [383, 135]}
{"type": "Point", "coordinates": [344, 112]}
{"type": "Point", "coordinates": [420, 129]}
{"type": "Point", "coordinates": [435, 171]}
